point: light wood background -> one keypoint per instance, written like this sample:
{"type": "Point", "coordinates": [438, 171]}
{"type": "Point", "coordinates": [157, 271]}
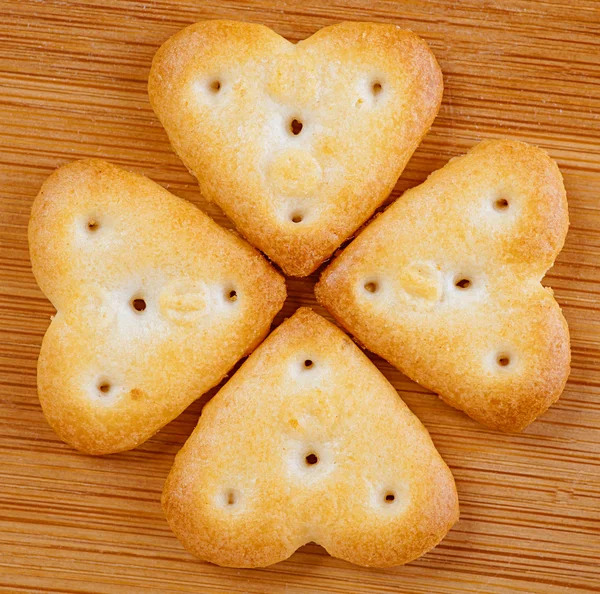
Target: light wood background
{"type": "Point", "coordinates": [73, 84]}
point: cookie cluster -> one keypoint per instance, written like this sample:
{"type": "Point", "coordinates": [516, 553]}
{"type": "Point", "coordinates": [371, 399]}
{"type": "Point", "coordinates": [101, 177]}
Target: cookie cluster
{"type": "Point", "coordinates": [156, 303]}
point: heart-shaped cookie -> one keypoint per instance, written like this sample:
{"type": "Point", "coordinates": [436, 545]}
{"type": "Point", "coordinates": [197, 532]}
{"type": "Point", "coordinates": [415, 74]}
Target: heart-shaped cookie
{"type": "Point", "coordinates": [298, 144]}
{"type": "Point", "coordinates": [445, 284]}
{"type": "Point", "coordinates": [155, 304]}
{"type": "Point", "coordinates": [309, 442]}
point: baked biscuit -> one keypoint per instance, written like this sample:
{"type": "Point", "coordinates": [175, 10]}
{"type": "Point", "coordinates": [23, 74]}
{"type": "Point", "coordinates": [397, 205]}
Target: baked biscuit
{"type": "Point", "coordinates": [155, 303]}
{"type": "Point", "coordinates": [297, 143]}
{"type": "Point", "coordinates": [309, 442]}
{"type": "Point", "coordinates": [445, 284]}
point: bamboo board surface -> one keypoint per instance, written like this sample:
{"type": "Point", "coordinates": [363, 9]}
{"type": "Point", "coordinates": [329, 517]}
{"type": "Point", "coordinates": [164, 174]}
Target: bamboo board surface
{"type": "Point", "coordinates": [73, 84]}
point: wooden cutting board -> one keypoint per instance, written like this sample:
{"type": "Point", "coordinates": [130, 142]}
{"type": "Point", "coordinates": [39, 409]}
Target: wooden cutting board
{"type": "Point", "coordinates": [73, 84]}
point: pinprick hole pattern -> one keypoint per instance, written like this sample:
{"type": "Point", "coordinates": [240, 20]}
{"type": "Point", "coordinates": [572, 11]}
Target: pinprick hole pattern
{"type": "Point", "coordinates": [371, 287]}
{"type": "Point", "coordinates": [138, 304]}
{"type": "Point", "coordinates": [311, 459]}
{"type": "Point", "coordinates": [501, 204]}
{"type": "Point", "coordinates": [215, 86]}
{"type": "Point", "coordinates": [104, 387]}
{"type": "Point", "coordinates": [376, 88]}
{"type": "Point", "coordinates": [232, 295]}
{"type": "Point", "coordinates": [503, 360]}
{"type": "Point", "coordinates": [93, 225]}
{"type": "Point", "coordinates": [297, 218]}
{"type": "Point", "coordinates": [389, 497]}
{"type": "Point", "coordinates": [296, 126]}
{"type": "Point", "coordinates": [308, 364]}
{"type": "Point", "coordinates": [462, 283]}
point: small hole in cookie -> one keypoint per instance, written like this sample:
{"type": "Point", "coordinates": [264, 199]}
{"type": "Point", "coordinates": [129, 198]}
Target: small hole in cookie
{"type": "Point", "coordinates": [93, 225]}
{"type": "Point", "coordinates": [501, 204]}
{"type": "Point", "coordinates": [138, 304]}
{"type": "Point", "coordinates": [462, 283]}
{"type": "Point", "coordinates": [215, 86]}
{"type": "Point", "coordinates": [503, 360]}
{"type": "Point", "coordinates": [232, 295]}
{"type": "Point", "coordinates": [311, 459]}
{"type": "Point", "coordinates": [104, 387]}
{"type": "Point", "coordinates": [230, 497]}
{"type": "Point", "coordinates": [371, 287]}
{"type": "Point", "coordinates": [376, 88]}
{"type": "Point", "coordinates": [296, 127]}
{"type": "Point", "coordinates": [389, 497]}
{"type": "Point", "coordinates": [308, 364]}
{"type": "Point", "coordinates": [297, 218]}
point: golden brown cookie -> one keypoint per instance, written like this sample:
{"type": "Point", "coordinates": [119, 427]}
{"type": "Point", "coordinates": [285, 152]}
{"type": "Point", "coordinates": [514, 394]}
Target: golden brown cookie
{"type": "Point", "coordinates": [155, 304]}
{"type": "Point", "coordinates": [309, 442]}
{"type": "Point", "coordinates": [297, 143]}
{"type": "Point", "coordinates": [445, 284]}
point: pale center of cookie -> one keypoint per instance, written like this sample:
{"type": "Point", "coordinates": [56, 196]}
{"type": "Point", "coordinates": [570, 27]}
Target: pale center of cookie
{"type": "Point", "coordinates": [144, 306]}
